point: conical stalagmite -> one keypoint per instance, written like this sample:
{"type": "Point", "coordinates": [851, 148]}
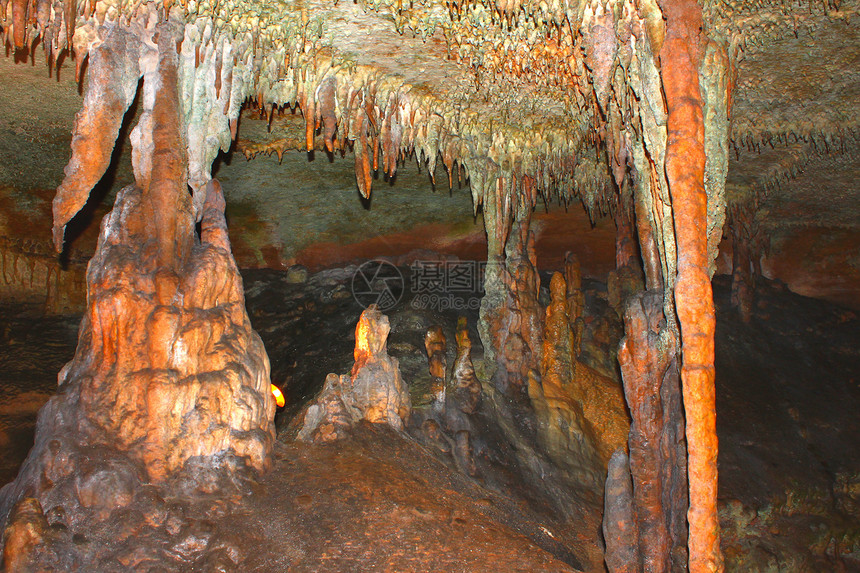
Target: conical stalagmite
{"type": "Point", "coordinates": [169, 379]}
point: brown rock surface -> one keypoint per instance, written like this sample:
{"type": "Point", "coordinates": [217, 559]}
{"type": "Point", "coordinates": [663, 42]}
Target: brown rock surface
{"type": "Point", "coordinates": [561, 422]}
{"type": "Point", "coordinates": [620, 530]}
{"type": "Point", "coordinates": [511, 316]}
{"type": "Point", "coordinates": [575, 299]}
{"type": "Point", "coordinates": [575, 404]}
{"type": "Point", "coordinates": [31, 272]}
{"type": "Point", "coordinates": [466, 386]}
{"type": "Point", "coordinates": [435, 344]}
{"type": "Point", "coordinates": [25, 534]}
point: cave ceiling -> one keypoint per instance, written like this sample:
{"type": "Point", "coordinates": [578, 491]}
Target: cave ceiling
{"type": "Point", "coordinates": [508, 88]}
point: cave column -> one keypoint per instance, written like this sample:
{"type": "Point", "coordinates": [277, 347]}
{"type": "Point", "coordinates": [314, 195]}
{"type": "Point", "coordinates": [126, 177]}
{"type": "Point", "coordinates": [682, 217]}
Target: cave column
{"type": "Point", "coordinates": [511, 318]}
{"type": "Point", "coordinates": [685, 172]}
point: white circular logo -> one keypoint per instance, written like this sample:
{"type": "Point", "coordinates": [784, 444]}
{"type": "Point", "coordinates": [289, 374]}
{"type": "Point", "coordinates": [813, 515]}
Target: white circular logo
{"type": "Point", "coordinates": [377, 282]}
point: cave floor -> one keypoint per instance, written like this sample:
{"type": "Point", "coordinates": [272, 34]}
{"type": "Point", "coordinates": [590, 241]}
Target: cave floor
{"type": "Point", "coordinates": [377, 502]}
{"type": "Point", "coordinates": [788, 390]}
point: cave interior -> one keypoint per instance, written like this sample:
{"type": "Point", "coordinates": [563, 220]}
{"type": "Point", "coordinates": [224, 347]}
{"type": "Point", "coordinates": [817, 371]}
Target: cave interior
{"type": "Point", "coordinates": [484, 285]}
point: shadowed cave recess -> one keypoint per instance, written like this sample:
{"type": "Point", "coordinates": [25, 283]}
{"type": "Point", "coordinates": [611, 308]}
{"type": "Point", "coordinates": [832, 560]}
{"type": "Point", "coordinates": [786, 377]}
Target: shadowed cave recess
{"type": "Point", "coordinates": [497, 285]}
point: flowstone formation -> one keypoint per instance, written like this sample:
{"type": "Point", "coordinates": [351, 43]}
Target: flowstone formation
{"type": "Point", "coordinates": [374, 391]}
{"type": "Point", "coordinates": [169, 384]}
{"type": "Point", "coordinates": [581, 414]}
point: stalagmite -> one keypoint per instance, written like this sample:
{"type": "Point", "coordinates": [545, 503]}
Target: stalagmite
{"type": "Point", "coordinates": [574, 401]}
{"type": "Point", "coordinates": [575, 300]}
{"type": "Point", "coordinates": [467, 387]}
{"type": "Point", "coordinates": [373, 391]}
{"type": "Point", "coordinates": [647, 356]}
{"type": "Point", "coordinates": [434, 344]}
{"type": "Point", "coordinates": [685, 169]}
{"type": "Point", "coordinates": [619, 524]}
{"type": "Point", "coordinates": [563, 430]}
{"type": "Point", "coordinates": [169, 379]}
{"type": "Point", "coordinates": [571, 101]}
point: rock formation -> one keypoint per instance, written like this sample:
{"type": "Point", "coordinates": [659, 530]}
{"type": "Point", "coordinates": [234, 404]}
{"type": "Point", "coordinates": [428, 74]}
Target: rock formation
{"type": "Point", "coordinates": [373, 391]}
{"type": "Point", "coordinates": [620, 532]}
{"type": "Point", "coordinates": [434, 344]}
{"type": "Point", "coordinates": [575, 300]}
{"type": "Point", "coordinates": [169, 379]}
{"type": "Point", "coordinates": [686, 165]}
{"type": "Point", "coordinates": [655, 510]}
{"type": "Point", "coordinates": [561, 422]}
{"type": "Point", "coordinates": [580, 412]}
{"type": "Point", "coordinates": [465, 384]}
{"type": "Point", "coordinates": [511, 316]}
{"type": "Point", "coordinates": [623, 106]}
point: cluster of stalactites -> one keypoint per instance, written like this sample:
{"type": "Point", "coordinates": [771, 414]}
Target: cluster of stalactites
{"type": "Point", "coordinates": [277, 55]}
{"type": "Point", "coordinates": [752, 24]}
{"type": "Point", "coordinates": [231, 57]}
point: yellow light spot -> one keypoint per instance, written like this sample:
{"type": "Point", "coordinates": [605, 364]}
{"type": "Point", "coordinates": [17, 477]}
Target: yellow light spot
{"type": "Point", "coordinates": [279, 396]}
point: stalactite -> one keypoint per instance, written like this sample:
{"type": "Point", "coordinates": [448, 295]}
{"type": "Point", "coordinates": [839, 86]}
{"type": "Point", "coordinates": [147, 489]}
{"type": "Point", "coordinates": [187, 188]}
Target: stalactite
{"type": "Point", "coordinates": [643, 201]}
{"type": "Point", "coordinates": [226, 59]}
{"type": "Point", "coordinates": [112, 85]}
{"type": "Point", "coordinates": [627, 278]}
{"type": "Point", "coordinates": [716, 84]}
{"type": "Point", "coordinates": [20, 9]}
{"type": "Point", "coordinates": [685, 169]}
